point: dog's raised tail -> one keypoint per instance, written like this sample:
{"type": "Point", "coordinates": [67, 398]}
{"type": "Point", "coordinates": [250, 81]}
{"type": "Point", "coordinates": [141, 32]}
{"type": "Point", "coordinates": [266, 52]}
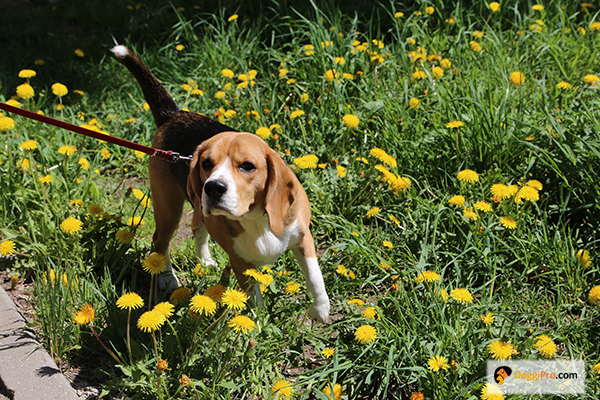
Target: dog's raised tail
{"type": "Point", "coordinates": [160, 102]}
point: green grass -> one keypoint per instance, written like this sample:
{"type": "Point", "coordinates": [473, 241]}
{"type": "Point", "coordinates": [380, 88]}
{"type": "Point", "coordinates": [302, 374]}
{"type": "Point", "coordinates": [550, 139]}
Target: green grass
{"type": "Point", "coordinates": [529, 277]}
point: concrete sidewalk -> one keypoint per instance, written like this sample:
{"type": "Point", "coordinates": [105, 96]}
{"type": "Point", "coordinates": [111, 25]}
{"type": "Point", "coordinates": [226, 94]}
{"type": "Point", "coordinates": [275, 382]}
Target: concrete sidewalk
{"type": "Point", "coordinates": [27, 371]}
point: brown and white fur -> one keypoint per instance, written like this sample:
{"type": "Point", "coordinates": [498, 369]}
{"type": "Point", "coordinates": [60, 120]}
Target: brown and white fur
{"type": "Point", "coordinates": [244, 195]}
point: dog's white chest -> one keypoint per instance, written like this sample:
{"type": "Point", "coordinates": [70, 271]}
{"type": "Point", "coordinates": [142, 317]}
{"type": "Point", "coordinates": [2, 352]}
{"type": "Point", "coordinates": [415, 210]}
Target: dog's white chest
{"type": "Point", "coordinates": [258, 244]}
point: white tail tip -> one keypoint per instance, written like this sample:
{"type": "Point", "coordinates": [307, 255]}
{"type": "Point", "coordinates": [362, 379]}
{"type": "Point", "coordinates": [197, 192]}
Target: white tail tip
{"type": "Point", "coordinates": [120, 51]}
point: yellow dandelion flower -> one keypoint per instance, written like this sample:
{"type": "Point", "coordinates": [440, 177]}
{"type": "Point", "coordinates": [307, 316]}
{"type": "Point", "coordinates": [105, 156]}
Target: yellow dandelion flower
{"type": "Point", "coordinates": [27, 73]}
{"type": "Point", "coordinates": [476, 47]}
{"type": "Point", "coordinates": [151, 321]}
{"type": "Point", "coordinates": [429, 276]}
{"type": "Point", "coordinates": [469, 214]}
{"type": "Point", "coordinates": [545, 346]}
{"type": "Point", "coordinates": [29, 145]}
{"type": "Point", "coordinates": [500, 190]}
{"type": "Point", "coordinates": [517, 78]}
{"type": "Point", "coordinates": [488, 319]}
{"type": "Point", "coordinates": [124, 236]}
{"type": "Point", "coordinates": [455, 124]}
{"type": "Point", "coordinates": [584, 259]}
{"type": "Point", "coordinates": [468, 175]}
{"type": "Point", "coordinates": [282, 389]}
{"type": "Point", "coordinates": [351, 121]}
{"type": "Point", "coordinates": [535, 184]}
{"type": "Point", "coordinates": [419, 74]}
{"type": "Point", "coordinates": [25, 91]}
{"type": "Point", "coordinates": [334, 392]}
{"type": "Point", "coordinates": [59, 89]}
{"type": "Point", "coordinates": [85, 315]}
{"type": "Point", "coordinates": [308, 161]}
{"type": "Point", "coordinates": [7, 248]}
{"type": "Point", "coordinates": [342, 270]}
{"type": "Point", "coordinates": [6, 123]}
{"type": "Point", "coordinates": [537, 7]}
{"type": "Point", "coordinates": [500, 350]}
{"type": "Point", "coordinates": [436, 363]}
{"type": "Point", "coordinates": [180, 295]}
{"type": "Point", "coordinates": [14, 103]}
{"type": "Point", "coordinates": [494, 6]}
{"type": "Point", "coordinates": [373, 212]}
{"type": "Point", "coordinates": [216, 292]}
{"type": "Point", "coordinates": [234, 299]}
{"type": "Point", "coordinates": [79, 53]}
{"type": "Point", "coordinates": [341, 171]}
{"type": "Point", "coordinates": [130, 301]}
{"type": "Point", "coordinates": [71, 226]}
{"type": "Point", "coordinates": [296, 114]}
{"type": "Point", "coordinates": [483, 206]}
{"type": "Point", "coordinates": [527, 193]}
{"type": "Point", "coordinates": [309, 49]}
{"type": "Point", "coordinates": [328, 352]}
{"type": "Point", "coordinates": [508, 222]}
{"type": "Point", "coordinates": [165, 308]}
{"type": "Point", "coordinates": [135, 222]}
{"type": "Point", "coordinates": [365, 334]}
{"type": "Point", "coordinates": [371, 313]}
{"type": "Point", "coordinates": [203, 304]}
{"type": "Point", "coordinates": [67, 150]}
{"type": "Point", "coordinates": [227, 73]}
{"type": "Point", "coordinates": [105, 154]}
{"type": "Point", "coordinates": [458, 201]}
{"type": "Point", "coordinates": [594, 295]}
{"type": "Point", "coordinates": [563, 85]}
{"type": "Point", "coordinates": [384, 157]}
{"type": "Point", "coordinates": [491, 391]}
{"type": "Point", "coordinates": [155, 263]}
{"type": "Point", "coordinates": [46, 179]}
{"type": "Point", "coordinates": [232, 18]}
{"type": "Point", "coordinates": [330, 75]}
{"type": "Point", "coordinates": [241, 323]}
{"type": "Point", "coordinates": [357, 302]}
{"type": "Point", "coordinates": [461, 295]}
{"type": "Point", "coordinates": [263, 132]}
{"type": "Point", "coordinates": [292, 287]}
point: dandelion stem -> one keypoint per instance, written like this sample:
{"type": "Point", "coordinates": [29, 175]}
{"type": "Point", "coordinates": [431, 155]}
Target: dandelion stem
{"type": "Point", "coordinates": [129, 337]}
{"type": "Point", "coordinates": [117, 359]}
{"type": "Point", "coordinates": [176, 338]}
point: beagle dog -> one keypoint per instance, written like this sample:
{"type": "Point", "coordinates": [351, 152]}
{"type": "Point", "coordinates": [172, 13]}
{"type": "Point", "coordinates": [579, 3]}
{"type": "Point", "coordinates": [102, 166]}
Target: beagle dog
{"type": "Point", "coordinates": [244, 195]}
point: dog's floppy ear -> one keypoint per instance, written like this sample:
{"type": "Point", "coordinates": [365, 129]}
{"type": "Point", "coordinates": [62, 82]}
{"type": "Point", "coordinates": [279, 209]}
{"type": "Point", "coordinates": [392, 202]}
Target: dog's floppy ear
{"type": "Point", "coordinates": [194, 188]}
{"type": "Point", "coordinates": [281, 190]}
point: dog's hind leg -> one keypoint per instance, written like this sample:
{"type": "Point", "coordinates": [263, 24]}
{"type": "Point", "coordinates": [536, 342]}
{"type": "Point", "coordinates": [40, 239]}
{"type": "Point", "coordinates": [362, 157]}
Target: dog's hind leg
{"type": "Point", "coordinates": [168, 199]}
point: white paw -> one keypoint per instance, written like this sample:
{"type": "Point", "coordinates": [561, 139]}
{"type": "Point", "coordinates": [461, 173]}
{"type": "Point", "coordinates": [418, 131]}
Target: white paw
{"type": "Point", "coordinates": [208, 262]}
{"type": "Point", "coordinates": [319, 311]}
{"type": "Point", "coordinates": [168, 281]}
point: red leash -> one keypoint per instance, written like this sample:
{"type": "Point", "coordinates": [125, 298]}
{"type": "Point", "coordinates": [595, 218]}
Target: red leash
{"type": "Point", "coordinates": [168, 155]}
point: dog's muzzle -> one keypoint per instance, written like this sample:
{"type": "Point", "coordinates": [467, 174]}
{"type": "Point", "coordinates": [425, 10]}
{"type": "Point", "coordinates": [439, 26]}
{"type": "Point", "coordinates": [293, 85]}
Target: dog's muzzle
{"type": "Point", "coordinates": [215, 189]}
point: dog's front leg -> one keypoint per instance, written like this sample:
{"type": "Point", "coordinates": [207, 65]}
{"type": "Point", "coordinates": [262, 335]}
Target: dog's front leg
{"type": "Point", "coordinates": [201, 241]}
{"type": "Point", "coordinates": [307, 258]}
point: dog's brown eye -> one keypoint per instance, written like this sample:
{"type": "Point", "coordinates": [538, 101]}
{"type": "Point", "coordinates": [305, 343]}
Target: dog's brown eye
{"type": "Point", "coordinates": [207, 165]}
{"type": "Point", "coordinates": [247, 166]}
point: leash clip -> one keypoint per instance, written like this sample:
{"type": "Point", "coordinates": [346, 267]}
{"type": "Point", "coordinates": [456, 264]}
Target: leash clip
{"type": "Point", "coordinates": [170, 156]}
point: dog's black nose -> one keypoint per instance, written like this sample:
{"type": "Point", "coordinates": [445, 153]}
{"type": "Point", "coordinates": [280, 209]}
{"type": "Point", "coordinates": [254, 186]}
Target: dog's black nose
{"type": "Point", "coordinates": [215, 189]}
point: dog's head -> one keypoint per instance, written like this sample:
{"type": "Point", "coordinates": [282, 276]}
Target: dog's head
{"type": "Point", "coordinates": [238, 175]}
